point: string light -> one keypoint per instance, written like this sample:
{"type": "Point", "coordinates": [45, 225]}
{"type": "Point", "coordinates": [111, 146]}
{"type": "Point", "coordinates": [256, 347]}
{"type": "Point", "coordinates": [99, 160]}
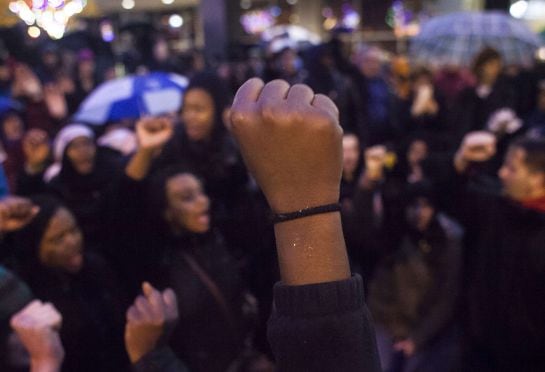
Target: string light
{"type": "Point", "coordinates": [49, 15]}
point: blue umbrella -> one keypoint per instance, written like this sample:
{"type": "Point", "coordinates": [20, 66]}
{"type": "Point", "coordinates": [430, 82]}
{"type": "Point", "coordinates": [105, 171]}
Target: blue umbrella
{"type": "Point", "coordinates": [131, 97]}
{"type": "Point", "coordinates": [456, 38]}
{"type": "Point", "coordinates": [7, 104]}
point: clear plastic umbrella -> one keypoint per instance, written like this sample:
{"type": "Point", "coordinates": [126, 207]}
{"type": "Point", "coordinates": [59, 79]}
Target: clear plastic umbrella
{"type": "Point", "coordinates": [455, 39]}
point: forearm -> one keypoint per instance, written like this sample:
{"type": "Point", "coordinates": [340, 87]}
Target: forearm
{"type": "Point", "coordinates": [139, 165]}
{"type": "Point", "coordinates": [45, 365]}
{"type": "Point", "coordinates": [312, 250]}
{"type": "Point", "coordinates": [460, 164]}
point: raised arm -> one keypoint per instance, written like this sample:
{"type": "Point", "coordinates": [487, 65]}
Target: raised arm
{"type": "Point", "coordinates": [152, 134]}
{"type": "Point", "coordinates": [290, 140]}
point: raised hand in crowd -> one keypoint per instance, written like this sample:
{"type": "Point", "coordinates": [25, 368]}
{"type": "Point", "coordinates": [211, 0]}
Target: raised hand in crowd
{"type": "Point", "coordinates": [15, 213]}
{"type": "Point", "coordinates": [36, 149]}
{"type": "Point", "coordinates": [375, 159]}
{"type": "Point", "coordinates": [152, 133]}
{"type": "Point", "coordinates": [476, 147]}
{"type": "Point", "coordinates": [150, 321]}
{"type": "Point", "coordinates": [290, 140]}
{"type": "Point", "coordinates": [55, 101]}
{"type": "Point", "coordinates": [408, 347]}
{"type": "Point", "coordinates": [37, 326]}
{"type": "Point", "coordinates": [26, 84]}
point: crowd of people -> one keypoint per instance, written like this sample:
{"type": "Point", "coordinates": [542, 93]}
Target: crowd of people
{"type": "Point", "coordinates": [148, 244]}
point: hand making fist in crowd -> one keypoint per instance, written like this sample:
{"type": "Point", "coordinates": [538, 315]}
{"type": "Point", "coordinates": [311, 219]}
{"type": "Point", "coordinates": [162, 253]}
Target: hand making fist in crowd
{"type": "Point", "coordinates": [476, 147]}
{"type": "Point", "coordinates": [15, 213]}
{"type": "Point", "coordinates": [37, 327]}
{"type": "Point", "coordinates": [291, 142]}
{"type": "Point", "coordinates": [154, 132]}
{"type": "Point", "coordinates": [150, 321]}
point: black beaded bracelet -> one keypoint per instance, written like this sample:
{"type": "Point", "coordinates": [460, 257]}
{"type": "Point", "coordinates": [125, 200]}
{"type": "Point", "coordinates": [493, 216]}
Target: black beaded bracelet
{"type": "Point", "coordinates": [328, 208]}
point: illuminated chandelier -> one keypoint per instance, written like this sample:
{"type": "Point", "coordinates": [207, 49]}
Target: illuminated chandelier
{"type": "Point", "coordinates": [50, 15]}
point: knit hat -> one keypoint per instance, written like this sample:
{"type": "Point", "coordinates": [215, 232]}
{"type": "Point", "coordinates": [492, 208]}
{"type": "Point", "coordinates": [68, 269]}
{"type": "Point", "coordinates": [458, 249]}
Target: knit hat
{"type": "Point", "coordinates": [63, 139]}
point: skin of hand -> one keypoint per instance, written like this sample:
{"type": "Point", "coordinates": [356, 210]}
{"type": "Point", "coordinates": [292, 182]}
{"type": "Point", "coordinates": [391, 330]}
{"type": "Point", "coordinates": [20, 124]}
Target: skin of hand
{"type": "Point", "coordinates": [291, 142]}
{"type": "Point", "coordinates": [15, 213]}
{"type": "Point", "coordinates": [37, 327]}
{"type": "Point", "coordinates": [26, 83]}
{"type": "Point", "coordinates": [153, 133]}
{"type": "Point", "coordinates": [408, 347]}
{"type": "Point", "coordinates": [149, 321]}
{"type": "Point", "coordinates": [37, 149]}
{"type": "Point", "coordinates": [476, 147]}
{"type": "Point", "coordinates": [375, 158]}
{"type": "Point", "coordinates": [55, 101]}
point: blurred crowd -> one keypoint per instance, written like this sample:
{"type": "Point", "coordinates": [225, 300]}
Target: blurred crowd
{"type": "Point", "coordinates": [451, 282]}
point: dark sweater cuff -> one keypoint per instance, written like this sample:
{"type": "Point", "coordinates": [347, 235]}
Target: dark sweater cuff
{"type": "Point", "coordinates": [319, 299]}
{"type": "Point", "coordinates": [159, 360]}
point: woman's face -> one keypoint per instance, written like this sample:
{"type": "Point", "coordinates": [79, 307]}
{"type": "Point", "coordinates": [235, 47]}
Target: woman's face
{"type": "Point", "coordinates": [418, 151]}
{"type": "Point", "coordinates": [491, 69]}
{"type": "Point", "coordinates": [351, 154]}
{"type": "Point", "coordinates": [81, 153]}
{"type": "Point", "coordinates": [62, 243]}
{"type": "Point", "coordinates": [187, 204]}
{"type": "Point", "coordinates": [13, 127]}
{"type": "Point", "coordinates": [420, 213]}
{"type": "Point", "coordinates": [198, 114]}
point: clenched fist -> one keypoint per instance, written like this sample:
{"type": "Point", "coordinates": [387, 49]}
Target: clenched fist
{"type": "Point", "coordinates": [37, 327]}
{"type": "Point", "coordinates": [476, 147]}
{"type": "Point", "coordinates": [291, 141]}
{"type": "Point", "coordinates": [16, 213]}
{"type": "Point", "coordinates": [149, 321]}
{"type": "Point", "coordinates": [153, 133]}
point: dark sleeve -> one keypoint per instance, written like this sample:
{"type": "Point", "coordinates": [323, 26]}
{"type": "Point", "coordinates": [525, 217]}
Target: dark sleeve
{"type": "Point", "coordinates": [30, 184]}
{"type": "Point", "coordinates": [466, 197]}
{"type": "Point", "coordinates": [359, 220]}
{"type": "Point", "coordinates": [159, 360]}
{"type": "Point", "coordinates": [437, 316]}
{"type": "Point", "coordinates": [323, 327]}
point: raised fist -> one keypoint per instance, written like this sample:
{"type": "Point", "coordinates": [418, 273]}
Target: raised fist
{"type": "Point", "coordinates": [476, 147]}
{"type": "Point", "coordinates": [37, 327]}
{"type": "Point", "coordinates": [36, 149]}
{"type": "Point", "coordinates": [149, 321]}
{"type": "Point", "coordinates": [55, 101]}
{"type": "Point", "coordinates": [153, 133]}
{"type": "Point", "coordinates": [375, 159]}
{"type": "Point", "coordinates": [26, 83]}
{"type": "Point", "coordinates": [15, 213]}
{"type": "Point", "coordinates": [291, 141]}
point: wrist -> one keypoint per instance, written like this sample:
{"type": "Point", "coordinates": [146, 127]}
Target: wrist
{"type": "Point", "coordinates": [460, 163]}
{"type": "Point", "coordinates": [291, 202]}
{"type": "Point", "coordinates": [312, 250]}
{"type": "Point", "coordinates": [46, 364]}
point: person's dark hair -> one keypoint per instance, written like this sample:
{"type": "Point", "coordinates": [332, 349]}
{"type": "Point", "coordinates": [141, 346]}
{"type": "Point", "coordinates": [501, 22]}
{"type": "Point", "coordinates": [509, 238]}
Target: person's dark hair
{"type": "Point", "coordinates": [217, 89]}
{"type": "Point", "coordinates": [29, 238]}
{"type": "Point", "coordinates": [157, 190]}
{"type": "Point", "coordinates": [419, 72]}
{"type": "Point", "coordinates": [483, 57]}
{"type": "Point", "coordinates": [535, 152]}
{"type": "Point", "coordinates": [422, 189]}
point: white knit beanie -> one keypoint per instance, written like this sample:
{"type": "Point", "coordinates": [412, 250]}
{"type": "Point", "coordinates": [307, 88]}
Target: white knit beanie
{"type": "Point", "coordinates": [63, 139]}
